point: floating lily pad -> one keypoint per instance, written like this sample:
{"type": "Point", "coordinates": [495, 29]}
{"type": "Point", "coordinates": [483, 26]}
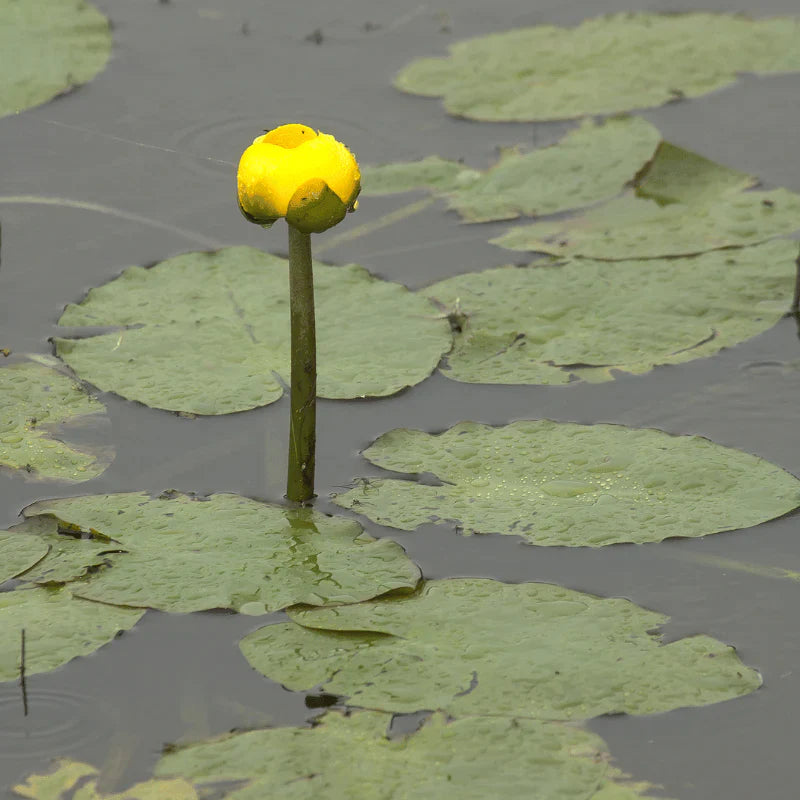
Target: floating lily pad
{"type": "Point", "coordinates": [552, 323]}
{"type": "Point", "coordinates": [18, 554]}
{"type": "Point", "coordinates": [350, 756]}
{"type": "Point", "coordinates": [49, 47]}
{"type": "Point", "coordinates": [58, 627]}
{"type": "Point", "coordinates": [590, 164]}
{"type": "Point", "coordinates": [182, 554]}
{"type": "Point", "coordinates": [632, 227]}
{"type": "Point", "coordinates": [70, 554]}
{"type": "Point", "coordinates": [473, 646]}
{"type": "Point", "coordinates": [36, 402]}
{"type": "Point", "coordinates": [66, 776]}
{"type": "Point", "coordinates": [433, 173]}
{"type": "Point", "coordinates": [608, 64]}
{"type": "Point", "coordinates": [571, 485]}
{"type": "Point", "coordinates": [204, 333]}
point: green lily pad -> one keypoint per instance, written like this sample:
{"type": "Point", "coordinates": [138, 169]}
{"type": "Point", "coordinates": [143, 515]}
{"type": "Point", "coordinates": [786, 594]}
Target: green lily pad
{"type": "Point", "coordinates": [36, 401]}
{"type": "Point", "coordinates": [632, 227]}
{"type": "Point", "coordinates": [675, 175]}
{"type": "Point", "coordinates": [474, 646]}
{"type": "Point", "coordinates": [58, 627]}
{"type": "Point", "coordinates": [552, 323]}
{"type": "Point", "coordinates": [74, 780]}
{"type": "Point", "coordinates": [204, 333]}
{"type": "Point", "coordinates": [183, 554]}
{"type": "Point", "coordinates": [351, 756]}
{"type": "Point", "coordinates": [590, 164]}
{"type": "Point", "coordinates": [571, 485]}
{"type": "Point", "coordinates": [70, 554]}
{"type": "Point", "coordinates": [433, 173]}
{"type": "Point", "coordinates": [18, 554]}
{"type": "Point", "coordinates": [608, 64]}
{"type": "Point", "coordinates": [49, 47]}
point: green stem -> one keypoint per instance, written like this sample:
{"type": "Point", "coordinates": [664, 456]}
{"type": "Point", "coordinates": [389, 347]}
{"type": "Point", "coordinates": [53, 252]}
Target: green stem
{"type": "Point", "coordinates": [303, 423]}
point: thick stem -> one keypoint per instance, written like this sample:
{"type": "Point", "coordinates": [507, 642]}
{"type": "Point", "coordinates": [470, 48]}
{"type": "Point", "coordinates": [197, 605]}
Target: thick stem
{"type": "Point", "coordinates": [303, 423]}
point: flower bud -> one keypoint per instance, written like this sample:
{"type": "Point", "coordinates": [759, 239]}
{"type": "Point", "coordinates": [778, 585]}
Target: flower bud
{"type": "Point", "coordinates": [308, 178]}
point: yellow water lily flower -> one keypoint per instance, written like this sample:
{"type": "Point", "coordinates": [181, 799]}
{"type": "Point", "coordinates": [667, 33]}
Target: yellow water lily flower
{"type": "Point", "coordinates": [295, 172]}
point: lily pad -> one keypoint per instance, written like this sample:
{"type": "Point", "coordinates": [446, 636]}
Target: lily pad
{"type": "Point", "coordinates": [571, 485]}
{"type": "Point", "coordinates": [351, 756]}
{"type": "Point", "coordinates": [58, 627]}
{"type": "Point", "coordinates": [608, 64]}
{"type": "Point", "coordinates": [61, 783]}
{"type": "Point", "coordinates": [36, 401]}
{"type": "Point", "coordinates": [552, 323]}
{"type": "Point", "coordinates": [49, 47]}
{"type": "Point", "coordinates": [590, 164]}
{"type": "Point", "coordinates": [70, 553]}
{"type": "Point", "coordinates": [433, 173]}
{"type": "Point", "coordinates": [182, 554]}
{"type": "Point", "coordinates": [204, 333]}
{"type": "Point", "coordinates": [18, 554]}
{"type": "Point", "coordinates": [632, 227]}
{"type": "Point", "coordinates": [473, 646]}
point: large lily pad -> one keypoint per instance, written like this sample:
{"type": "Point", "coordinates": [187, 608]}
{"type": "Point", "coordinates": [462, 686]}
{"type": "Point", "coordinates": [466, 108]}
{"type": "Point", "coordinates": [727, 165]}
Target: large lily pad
{"type": "Point", "coordinates": [18, 554]}
{"type": "Point", "coordinates": [590, 164]}
{"type": "Point", "coordinates": [204, 333]}
{"type": "Point", "coordinates": [584, 318]}
{"type": "Point", "coordinates": [36, 401]}
{"type": "Point", "coordinates": [49, 47]}
{"type": "Point", "coordinates": [633, 227]}
{"type": "Point", "coordinates": [571, 485]}
{"type": "Point", "coordinates": [350, 756]}
{"type": "Point", "coordinates": [58, 627]}
{"type": "Point", "coordinates": [608, 64]}
{"type": "Point", "coordinates": [63, 780]}
{"type": "Point", "coordinates": [475, 646]}
{"type": "Point", "coordinates": [183, 554]}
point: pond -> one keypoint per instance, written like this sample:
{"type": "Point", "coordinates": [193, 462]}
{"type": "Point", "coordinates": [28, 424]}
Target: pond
{"type": "Point", "coordinates": [138, 166]}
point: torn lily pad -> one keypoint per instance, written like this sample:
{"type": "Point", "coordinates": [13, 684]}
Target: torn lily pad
{"type": "Point", "coordinates": [351, 756]}
{"type": "Point", "coordinates": [18, 554]}
{"type": "Point", "coordinates": [182, 554]}
{"type": "Point", "coordinates": [551, 323]}
{"type": "Point", "coordinates": [474, 646]}
{"type": "Point", "coordinates": [563, 484]}
{"type": "Point", "coordinates": [49, 47]}
{"type": "Point", "coordinates": [591, 163]}
{"type": "Point", "coordinates": [605, 65]}
{"type": "Point", "coordinates": [207, 332]}
{"type": "Point", "coordinates": [39, 406]}
{"type": "Point", "coordinates": [58, 627]}
{"type": "Point", "coordinates": [62, 781]}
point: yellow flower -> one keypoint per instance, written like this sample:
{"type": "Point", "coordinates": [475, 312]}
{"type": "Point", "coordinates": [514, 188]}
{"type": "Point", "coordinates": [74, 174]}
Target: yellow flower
{"type": "Point", "coordinates": [295, 172]}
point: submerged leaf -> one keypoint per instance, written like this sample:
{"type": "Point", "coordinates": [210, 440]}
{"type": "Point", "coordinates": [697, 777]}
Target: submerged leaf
{"type": "Point", "coordinates": [49, 47]}
{"type": "Point", "coordinates": [204, 333]}
{"type": "Point", "coordinates": [36, 401]}
{"type": "Point", "coordinates": [59, 783]}
{"type": "Point", "coordinates": [571, 485]}
{"type": "Point", "coordinates": [474, 646]}
{"type": "Point", "coordinates": [350, 756]}
{"type": "Point", "coordinates": [608, 64]}
{"type": "Point", "coordinates": [182, 554]}
{"type": "Point", "coordinates": [58, 627]}
{"type": "Point", "coordinates": [582, 318]}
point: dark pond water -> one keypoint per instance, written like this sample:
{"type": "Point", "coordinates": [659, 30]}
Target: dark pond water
{"type": "Point", "coordinates": [189, 85]}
